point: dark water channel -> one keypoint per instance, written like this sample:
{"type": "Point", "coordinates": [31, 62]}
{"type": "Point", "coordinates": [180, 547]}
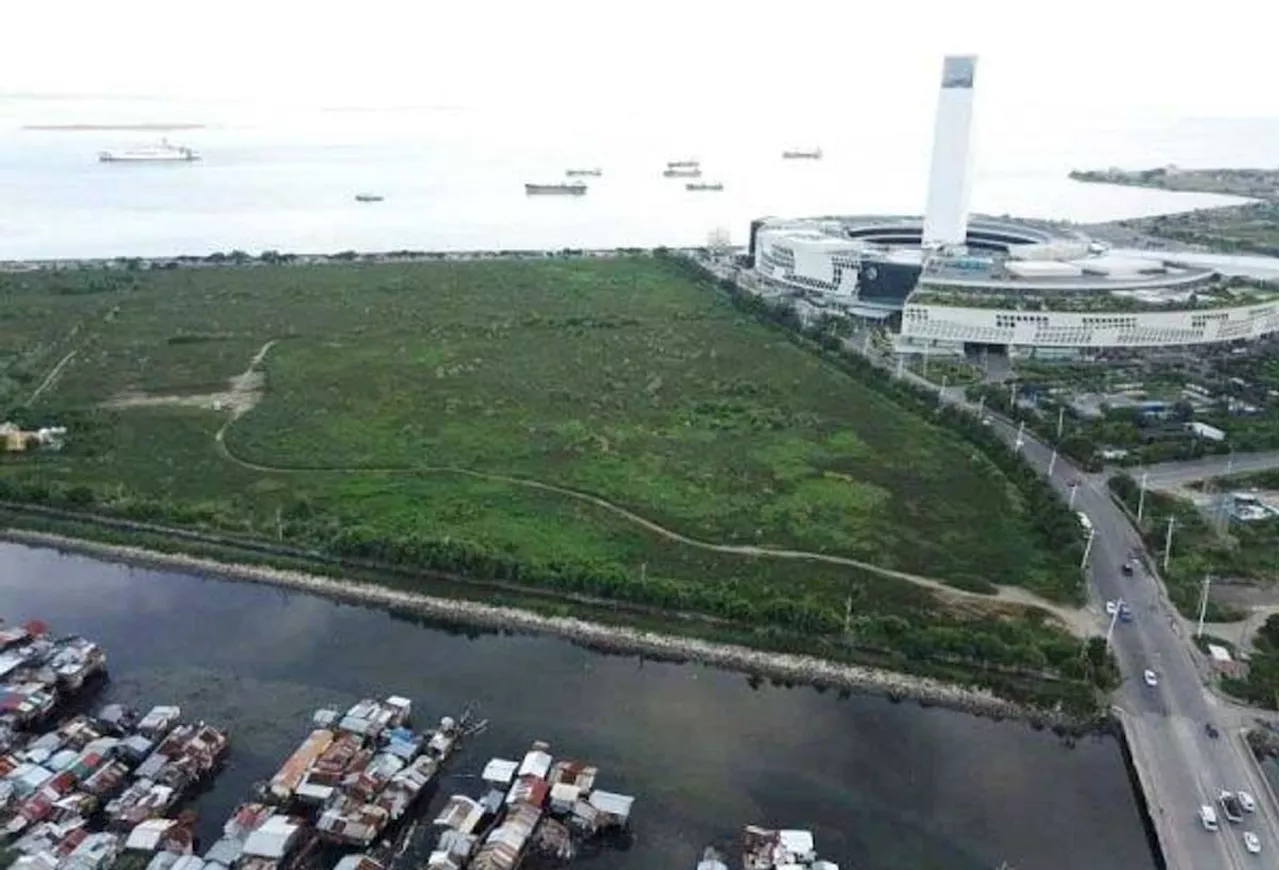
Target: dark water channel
{"type": "Point", "coordinates": [882, 785]}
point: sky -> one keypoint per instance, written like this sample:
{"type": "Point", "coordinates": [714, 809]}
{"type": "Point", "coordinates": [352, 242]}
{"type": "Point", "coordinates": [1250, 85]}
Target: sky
{"type": "Point", "coordinates": [1102, 56]}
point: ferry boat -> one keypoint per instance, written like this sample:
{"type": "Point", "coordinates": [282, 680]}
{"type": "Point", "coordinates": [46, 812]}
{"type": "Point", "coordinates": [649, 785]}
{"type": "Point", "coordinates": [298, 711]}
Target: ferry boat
{"type": "Point", "coordinates": [685, 172]}
{"type": "Point", "coordinates": [683, 164]}
{"type": "Point", "coordinates": [704, 185]}
{"type": "Point", "coordinates": [368, 197]}
{"type": "Point", "coordinates": [162, 153]}
{"type": "Point", "coordinates": [570, 188]}
{"type": "Point", "coordinates": [801, 154]}
{"type": "Point", "coordinates": [579, 173]}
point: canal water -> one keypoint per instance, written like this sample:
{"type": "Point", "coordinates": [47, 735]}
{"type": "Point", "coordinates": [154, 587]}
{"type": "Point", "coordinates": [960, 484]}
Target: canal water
{"type": "Point", "coordinates": [882, 785]}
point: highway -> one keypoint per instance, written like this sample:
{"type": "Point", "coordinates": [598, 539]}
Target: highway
{"type": "Point", "coordinates": [1170, 475]}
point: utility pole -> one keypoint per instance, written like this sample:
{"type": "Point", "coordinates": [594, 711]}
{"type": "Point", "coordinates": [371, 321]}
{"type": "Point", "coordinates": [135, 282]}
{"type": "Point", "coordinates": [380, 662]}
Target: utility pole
{"type": "Point", "coordinates": [1112, 625]}
{"type": "Point", "coordinates": [1204, 605]}
{"type": "Point", "coordinates": [1061, 411]}
{"type": "Point", "coordinates": [1013, 395]}
{"type": "Point", "coordinates": [982, 402]}
{"type": "Point", "coordinates": [1142, 496]}
{"type": "Point", "coordinates": [1071, 502]}
{"type": "Point", "coordinates": [942, 389]}
{"type": "Point", "coordinates": [901, 357]}
{"type": "Point", "coordinates": [1018, 442]}
{"type": "Point", "coordinates": [1088, 546]}
{"type": "Point", "coordinates": [1168, 544]}
{"type": "Point", "coordinates": [1053, 461]}
{"type": "Point", "coordinates": [279, 526]}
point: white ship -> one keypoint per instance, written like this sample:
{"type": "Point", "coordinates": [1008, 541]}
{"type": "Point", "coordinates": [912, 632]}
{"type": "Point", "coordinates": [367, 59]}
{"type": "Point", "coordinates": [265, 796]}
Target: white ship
{"type": "Point", "coordinates": [802, 154]}
{"type": "Point", "coordinates": [162, 153]}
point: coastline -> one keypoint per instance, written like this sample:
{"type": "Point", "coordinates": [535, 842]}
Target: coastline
{"type": "Point", "coordinates": [609, 638]}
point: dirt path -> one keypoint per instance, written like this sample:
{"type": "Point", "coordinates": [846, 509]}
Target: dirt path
{"type": "Point", "coordinates": [1079, 622]}
{"type": "Point", "coordinates": [243, 392]}
{"type": "Point", "coordinates": [52, 376]}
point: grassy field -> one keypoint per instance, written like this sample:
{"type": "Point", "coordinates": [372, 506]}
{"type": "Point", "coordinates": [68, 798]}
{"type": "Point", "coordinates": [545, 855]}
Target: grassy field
{"type": "Point", "coordinates": [622, 379]}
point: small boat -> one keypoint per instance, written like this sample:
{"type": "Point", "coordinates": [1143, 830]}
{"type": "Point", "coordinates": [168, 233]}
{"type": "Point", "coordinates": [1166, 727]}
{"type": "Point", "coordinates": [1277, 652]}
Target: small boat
{"type": "Point", "coordinates": [801, 154]}
{"type": "Point", "coordinates": [572, 188]}
{"type": "Point", "coordinates": [704, 185]}
{"type": "Point", "coordinates": [368, 197]}
{"type": "Point", "coordinates": [686, 172]}
{"type": "Point", "coordinates": [579, 173]}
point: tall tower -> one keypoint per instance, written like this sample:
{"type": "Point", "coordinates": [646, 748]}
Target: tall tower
{"type": "Point", "coordinates": [946, 216]}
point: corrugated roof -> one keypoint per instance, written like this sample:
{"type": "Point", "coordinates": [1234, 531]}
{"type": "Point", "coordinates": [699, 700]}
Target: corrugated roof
{"type": "Point", "coordinates": [612, 803]}
{"type": "Point", "coordinates": [536, 762]}
{"type": "Point", "coordinates": [500, 771]}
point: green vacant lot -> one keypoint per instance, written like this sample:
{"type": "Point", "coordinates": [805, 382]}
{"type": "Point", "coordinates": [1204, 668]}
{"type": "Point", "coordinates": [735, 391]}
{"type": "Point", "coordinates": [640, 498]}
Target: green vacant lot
{"type": "Point", "coordinates": [622, 379]}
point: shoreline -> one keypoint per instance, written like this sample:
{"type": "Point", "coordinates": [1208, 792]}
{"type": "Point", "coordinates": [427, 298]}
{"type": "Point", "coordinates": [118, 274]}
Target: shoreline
{"type": "Point", "coordinates": [609, 638]}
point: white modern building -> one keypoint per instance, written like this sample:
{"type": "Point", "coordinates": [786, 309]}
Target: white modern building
{"type": "Point", "coordinates": [950, 174]}
{"type": "Point", "coordinates": [948, 280]}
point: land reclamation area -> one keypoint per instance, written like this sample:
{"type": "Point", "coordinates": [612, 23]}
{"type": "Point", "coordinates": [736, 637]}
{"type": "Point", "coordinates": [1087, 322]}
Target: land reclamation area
{"type": "Point", "coordinates": [613, 433]}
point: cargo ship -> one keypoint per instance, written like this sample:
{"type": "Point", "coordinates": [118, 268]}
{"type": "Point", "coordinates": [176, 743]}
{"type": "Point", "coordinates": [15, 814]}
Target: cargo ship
{"type": "Point", "coordinates": [579, 173]}
{"type": "Point", "coordinates": [570, 188]}
{"type": "Point", "coordinates": [162, 153]}
{"type": "Point", "coordinates": [704, 185]}
{"type": "Point", "coordinates": [368, 197]}
{"type": "Point", "coordinates": [683, 172]}
{"type": "Point", "coordinates": [683, 164]}
{"type": "Point", "coordinates": [802, 154]}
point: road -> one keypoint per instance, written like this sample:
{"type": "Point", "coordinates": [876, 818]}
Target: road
{"type": "Point", "coordinates": [1180, 766]}
{"type": "Point", "coordinates": [1170, 475]}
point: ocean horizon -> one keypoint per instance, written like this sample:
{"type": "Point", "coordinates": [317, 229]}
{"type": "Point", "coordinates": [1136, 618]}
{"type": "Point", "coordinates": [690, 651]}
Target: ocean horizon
{"type": "Point", "coordinates": [452, 178]}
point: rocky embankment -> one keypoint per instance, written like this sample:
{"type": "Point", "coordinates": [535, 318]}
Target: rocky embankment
{"type": "Point", "coordinates": [621, 639]}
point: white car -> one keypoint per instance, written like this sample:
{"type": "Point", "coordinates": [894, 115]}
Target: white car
{"type": "Point", "coordinates": [1246, 801]}
{"type": "Point", "coordinates": [1251, 843]}
{"type": "Point", "coordinates": [1149, 677]}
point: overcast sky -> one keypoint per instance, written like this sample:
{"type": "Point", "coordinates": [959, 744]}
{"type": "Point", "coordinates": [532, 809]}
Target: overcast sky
{"type": "Point", "coordinates": [1215, 59]}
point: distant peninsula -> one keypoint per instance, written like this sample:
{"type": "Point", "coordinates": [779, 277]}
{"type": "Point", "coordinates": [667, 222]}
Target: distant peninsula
{"type": "Point", "coordinates": [126, 127]}
{"type": "Point", "coordinates": [1251, 228]}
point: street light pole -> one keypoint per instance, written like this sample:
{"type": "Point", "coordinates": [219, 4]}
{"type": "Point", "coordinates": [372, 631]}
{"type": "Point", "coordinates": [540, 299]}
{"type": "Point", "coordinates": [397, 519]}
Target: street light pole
{"type": "Point", "coordinates": [1013, 394]}
{"type": "Point", "coordinates": [1052, 461]}
{"type": "Point", "coordinates": [900, 359]}
{"type": "Point", "coordinates": [1142, 495]}
{"type": "Point", "coordinates": [1088, 545]}
{"type": "Point", "coordinates": [1204, 605]}
{"type": "Point", "coordinates": [1168, 544]}
{"type": "Point", "coordinates": [1071, 502]}
{"type": "Point", "coordinates": [1018, 442]}
{"type": "Point", "coordinates": [1061, 411]}
{"type": "Point", "coordinates": [982, 401]}
{"type": "Point", "coordinates": [942, 389]}
{"type": "Point", "coordinates": [1112, 625]}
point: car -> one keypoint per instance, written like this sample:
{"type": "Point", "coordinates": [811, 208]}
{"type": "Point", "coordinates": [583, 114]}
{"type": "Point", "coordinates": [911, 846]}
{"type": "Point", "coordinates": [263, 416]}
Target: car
{"type": "Point", "coordinates": [1149, 677]}
{"type": "Point", "coordinates": [1246, 801]}
{"type": "Point", "coordinates": [1127, 569]}
{"type": "Point", "coordinates": [1112, 608]}
{"type": "Point", "coordinates": [1208, 817]}
{"type": "Point", "coordinates": [1126, 615]}
{"type": "Point", "coordinates": [1251, 843]}
{"type": "Point", "coordinates": [1211, 730]}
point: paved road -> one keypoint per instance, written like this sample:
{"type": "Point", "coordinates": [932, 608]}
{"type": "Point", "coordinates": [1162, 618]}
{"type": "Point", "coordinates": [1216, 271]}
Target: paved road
{"type": "Point", "coordinates": [1181, 766]}
{"type": "Point", "coordinates": [1169, 475]}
